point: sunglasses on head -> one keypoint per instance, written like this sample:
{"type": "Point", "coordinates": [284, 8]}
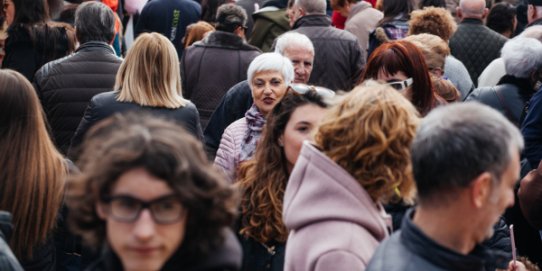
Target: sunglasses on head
{"type": "Point", "coordinates": [400, 85]}
{"type": "Point", "coordinates": [303, 88]}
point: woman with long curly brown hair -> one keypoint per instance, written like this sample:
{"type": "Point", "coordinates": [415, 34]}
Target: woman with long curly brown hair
{"type": "Point", "coordinates": [264, 178]}
{"type": "Point", "coordinates": [359, 161]}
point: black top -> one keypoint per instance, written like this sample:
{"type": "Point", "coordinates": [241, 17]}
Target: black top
{"type": "Point", "coordinates": [105, 104]}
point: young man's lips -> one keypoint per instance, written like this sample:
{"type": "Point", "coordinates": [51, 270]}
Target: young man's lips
{"type": "Point", "coordinates": [144, 250]}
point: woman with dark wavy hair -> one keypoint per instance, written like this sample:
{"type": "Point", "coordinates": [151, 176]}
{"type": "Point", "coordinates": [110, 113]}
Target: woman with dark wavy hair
{"type": "Point", "coordinates": [401, 65]}
{"type": "Point", "coordinates": [263, 179]}
{"type": "Point", "coordinates": [33, 39]}
{"type": "Point", "coordinates": [360, 160]}
{"type": "Point", "coordinates": [149, 196]}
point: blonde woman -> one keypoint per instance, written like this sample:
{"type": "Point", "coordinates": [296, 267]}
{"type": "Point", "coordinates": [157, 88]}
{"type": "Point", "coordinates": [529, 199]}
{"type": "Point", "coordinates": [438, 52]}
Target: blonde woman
{"type": "Point", "coordinates": [149, 80]}
{"type": "Point", "coordinates": [360, 159]}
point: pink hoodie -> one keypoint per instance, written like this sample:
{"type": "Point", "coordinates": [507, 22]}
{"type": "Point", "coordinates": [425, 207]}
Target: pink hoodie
{"type": "Point", "coordinates": [333, 223]}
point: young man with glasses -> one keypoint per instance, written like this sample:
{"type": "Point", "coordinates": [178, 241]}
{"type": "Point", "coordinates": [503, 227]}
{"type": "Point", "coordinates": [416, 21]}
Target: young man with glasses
{"type": "Point", "coordinates": [147, 191]}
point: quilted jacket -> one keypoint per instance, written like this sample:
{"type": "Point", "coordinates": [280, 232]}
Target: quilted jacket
{"type": "Point", "coordinates": [476, 46]}
{"type": "Point", "coordinates": [65, 87]}
{"type": "Point", "coordinates": [228, 155]}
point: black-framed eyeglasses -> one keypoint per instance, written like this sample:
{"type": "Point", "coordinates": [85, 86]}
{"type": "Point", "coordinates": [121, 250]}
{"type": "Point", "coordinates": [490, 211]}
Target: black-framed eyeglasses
{"type": "Point", "coordinates": [303, 88]}
{"type": "Point", "coordinates": [400, 85]}
{"type": "Point", "coordinates": [164, 210]}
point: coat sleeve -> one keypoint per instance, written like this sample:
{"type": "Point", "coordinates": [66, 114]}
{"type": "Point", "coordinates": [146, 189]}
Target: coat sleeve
{"type": "Point", "coordinates": [225, 156]}
{"type": "Point", "coordinates": [339, 260]}
{"type": "Point", "coordinates": [358, 62]}
{"type": "Point", "coordinates": [532, 131]}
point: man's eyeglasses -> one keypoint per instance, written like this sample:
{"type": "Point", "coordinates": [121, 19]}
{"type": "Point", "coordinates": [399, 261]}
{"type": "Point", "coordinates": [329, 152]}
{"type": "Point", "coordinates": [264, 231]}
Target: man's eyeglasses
{"type": "Point", "coordinates": [400, 85]}
{"type": "Point", "coordinates": [164, 210]}
{"type": "Point", "coordinates": [323, 92]}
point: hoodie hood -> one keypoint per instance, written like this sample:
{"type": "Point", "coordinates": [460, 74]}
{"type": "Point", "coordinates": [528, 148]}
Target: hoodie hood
{"type": "Point", "coordinates": [357, 8]}
{"type": "Point", "coordinates": [320, 190]}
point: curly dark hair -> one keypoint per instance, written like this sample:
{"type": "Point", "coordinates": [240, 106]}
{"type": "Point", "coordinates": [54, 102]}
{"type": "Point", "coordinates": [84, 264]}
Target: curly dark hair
{"type": "Point", "coordinates": [124, 142]}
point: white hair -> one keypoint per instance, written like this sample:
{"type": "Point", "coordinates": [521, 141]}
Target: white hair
{"type": "Point", "coordinates": [534, 32]}
{"type": "Point", "coordinates": [522, 56]}
{"type": "Point", "coordinates": [293, 39]}
{"type": "Point", "coordinates": [312, 6]}
{"type": "Point", "coordinates": [271, 62]}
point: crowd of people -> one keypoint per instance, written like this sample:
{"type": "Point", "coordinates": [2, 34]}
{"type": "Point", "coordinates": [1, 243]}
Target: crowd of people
{"type": "Point", "coordinates": [271, 135]}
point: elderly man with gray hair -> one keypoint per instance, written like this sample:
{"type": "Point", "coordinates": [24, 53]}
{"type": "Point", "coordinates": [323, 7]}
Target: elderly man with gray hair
{"type": "Point", "coordinates": [65, 86]}
{"type": "Point", "coordinates": [338, 59]}
{"type": "Point", "coordinates": [298, 48]}
{"type": "Point", "coordinates": [459, 199]}
{"type": "Point", "coordinates": [473, 43]}
{"type": "Point", "coordinates": [523, 62]}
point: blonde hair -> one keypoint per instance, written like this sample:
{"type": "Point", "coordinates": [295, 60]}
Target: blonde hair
{"type": "Point", "coordinates": [446, 89]}
{"type": "Point", "coordinates": [369, 135]}
{"type": "Point", "coordinates": [150, 74]}
{"type": "Point", "coordinates": [434, 49]}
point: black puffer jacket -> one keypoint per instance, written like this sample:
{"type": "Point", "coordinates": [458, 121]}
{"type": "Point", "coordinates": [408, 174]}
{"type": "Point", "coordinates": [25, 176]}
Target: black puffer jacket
{"type": "Point", "coordinates": [105, 104]}
{"type": "Point", "coordinates": [337, 61]}
{"type": "Point", "coordinates": [476, 46]}
{"type": "Point", "coordinates": [233, 106]}
{"type": "Point", "coordinates": [210, 67]}
{"type": "Point", "coordinates": [510, 97]}
{"type": "Point", "coordinates": [65, 87]}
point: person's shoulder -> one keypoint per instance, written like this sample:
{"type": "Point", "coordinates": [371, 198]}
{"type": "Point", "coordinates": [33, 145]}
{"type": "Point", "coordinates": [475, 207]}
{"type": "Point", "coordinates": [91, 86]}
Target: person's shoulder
{"type": "Point", "coordinates": [392, 255]}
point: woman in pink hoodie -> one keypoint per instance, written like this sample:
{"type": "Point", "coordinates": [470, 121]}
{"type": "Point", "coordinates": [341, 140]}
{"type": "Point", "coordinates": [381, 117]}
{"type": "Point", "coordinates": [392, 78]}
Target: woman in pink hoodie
{"type": "Point", "coordinates": [360, 159]}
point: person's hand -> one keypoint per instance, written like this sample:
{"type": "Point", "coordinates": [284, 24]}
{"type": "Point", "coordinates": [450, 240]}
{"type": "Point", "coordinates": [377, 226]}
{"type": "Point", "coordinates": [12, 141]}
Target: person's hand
{"type": "Point", "coordinates": [516, 266]}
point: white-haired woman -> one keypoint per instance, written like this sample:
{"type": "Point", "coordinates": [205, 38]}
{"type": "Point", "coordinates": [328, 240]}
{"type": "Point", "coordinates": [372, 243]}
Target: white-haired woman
{"type": "Point", "coordinates": [523, 63]}
{"type": "Point", "coordinates": [268, 75]}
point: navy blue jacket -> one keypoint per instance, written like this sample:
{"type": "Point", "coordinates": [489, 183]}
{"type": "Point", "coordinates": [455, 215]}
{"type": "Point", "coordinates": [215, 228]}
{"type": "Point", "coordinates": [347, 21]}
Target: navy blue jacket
{"type": "Point", "coordinates": [169, 18]}
{"type": "Point", "coordinates": [532, 130]}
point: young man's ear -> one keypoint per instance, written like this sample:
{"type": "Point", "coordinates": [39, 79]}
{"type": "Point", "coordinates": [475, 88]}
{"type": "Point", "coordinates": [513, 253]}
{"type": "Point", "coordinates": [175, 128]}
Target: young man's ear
{"type": "Point", "coordinates": [101, 211]}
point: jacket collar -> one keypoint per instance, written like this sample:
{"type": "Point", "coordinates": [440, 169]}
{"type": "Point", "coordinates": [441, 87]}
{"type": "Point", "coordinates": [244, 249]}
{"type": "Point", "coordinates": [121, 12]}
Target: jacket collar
{"type": "Point", "coordinates": [472, 21]}
{"type": "Point", "coordinates": [312, 20]}
{"type": "Point", "coordinates": [420, 244]}
{"type": "Point", "coordinates": [535, 22]}
{"type": "Point", "coordinates": [222, 39]}
{"type": "Point", "coordinates": [95, 46]}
